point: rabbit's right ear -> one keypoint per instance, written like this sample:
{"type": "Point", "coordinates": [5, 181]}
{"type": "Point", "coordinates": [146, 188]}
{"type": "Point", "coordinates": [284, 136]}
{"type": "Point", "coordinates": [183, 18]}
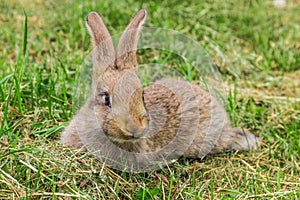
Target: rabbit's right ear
{"type": "Point", "coordinates": [103, 48]}
{"type": "Point", "coordinates": [126, 50]}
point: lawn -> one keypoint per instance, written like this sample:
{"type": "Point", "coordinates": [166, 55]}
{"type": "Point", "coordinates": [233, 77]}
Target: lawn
{"type": "Point", "coordinates": [254, 45]}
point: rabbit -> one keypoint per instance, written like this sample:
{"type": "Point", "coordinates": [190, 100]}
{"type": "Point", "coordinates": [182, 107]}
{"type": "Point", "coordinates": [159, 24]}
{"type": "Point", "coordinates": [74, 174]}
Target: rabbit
{"type": "Point", "coordinates": [173, 114]}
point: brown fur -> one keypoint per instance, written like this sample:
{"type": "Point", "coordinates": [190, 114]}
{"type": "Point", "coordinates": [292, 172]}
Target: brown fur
{"type": "Point", "coordinates": [174, 113]}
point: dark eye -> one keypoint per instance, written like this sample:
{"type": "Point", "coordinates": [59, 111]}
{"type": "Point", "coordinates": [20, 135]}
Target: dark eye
{"type": "Point", "coordinates": [105, 98]}
{"type": "Point", "coordinates": [143, 96]}
{"type": "Point", "coordinates": [115, 67]}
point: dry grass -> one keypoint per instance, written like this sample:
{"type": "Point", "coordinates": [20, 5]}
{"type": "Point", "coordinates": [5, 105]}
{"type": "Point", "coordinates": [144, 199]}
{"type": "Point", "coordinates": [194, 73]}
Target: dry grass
{"type": "Point", "coordinates": [256, 48]}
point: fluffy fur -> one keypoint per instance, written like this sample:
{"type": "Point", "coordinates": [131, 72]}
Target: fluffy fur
{"type": "Point", "coordinates": [173, 115]}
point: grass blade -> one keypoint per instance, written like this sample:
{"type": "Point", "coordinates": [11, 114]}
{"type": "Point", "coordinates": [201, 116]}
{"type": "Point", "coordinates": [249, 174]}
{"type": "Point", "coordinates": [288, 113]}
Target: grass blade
{"type": "Point", "coordinates": [25, 33]}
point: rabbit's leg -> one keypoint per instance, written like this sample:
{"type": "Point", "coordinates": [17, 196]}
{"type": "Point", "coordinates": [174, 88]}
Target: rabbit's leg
{"type": "Point", "coordinates": [235, 139]}
{"type": "Point", "coordinates": [70, 135]}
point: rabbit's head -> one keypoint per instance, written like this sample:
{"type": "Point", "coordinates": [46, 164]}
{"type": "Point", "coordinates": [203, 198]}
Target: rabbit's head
{"type": "Point", "coordinates": [118, 93]}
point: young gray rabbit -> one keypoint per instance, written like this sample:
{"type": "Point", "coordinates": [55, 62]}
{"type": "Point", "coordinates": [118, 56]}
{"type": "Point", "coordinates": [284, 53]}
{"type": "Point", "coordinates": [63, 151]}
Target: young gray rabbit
{"type": "Point", "coordinates": [171, 117]}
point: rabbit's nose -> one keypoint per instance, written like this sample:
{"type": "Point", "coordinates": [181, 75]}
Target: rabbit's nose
{"type": "Point", "coordinates": [135, 131]}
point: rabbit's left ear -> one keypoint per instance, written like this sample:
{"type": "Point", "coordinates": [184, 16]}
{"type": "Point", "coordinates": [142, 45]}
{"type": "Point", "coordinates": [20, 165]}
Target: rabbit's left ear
{"type": "Point", "coordinates": [126, 50]}
{"type": "Point", "coordinates": [103, 48]}
{"type": "Point", "coordinates": [97, 30]}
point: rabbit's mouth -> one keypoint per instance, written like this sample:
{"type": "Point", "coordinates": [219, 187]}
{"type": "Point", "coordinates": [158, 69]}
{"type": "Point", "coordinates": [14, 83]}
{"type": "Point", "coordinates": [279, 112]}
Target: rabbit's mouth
{"type": "Point", "coordinates": [125, 137]}
{"type": "Point", "coordinates": [122, 132]}
{"type": "Point", "coordinates": [133, 134]}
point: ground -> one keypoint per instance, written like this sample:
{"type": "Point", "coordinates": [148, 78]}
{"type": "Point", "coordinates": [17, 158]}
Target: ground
{"type": "Point", "coordinates": [254, 45]}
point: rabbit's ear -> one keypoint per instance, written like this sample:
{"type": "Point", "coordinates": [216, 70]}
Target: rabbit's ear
{"type": "Point", "coordinates": [126, 51]}
{"type": "Point", "coordinates": [103, 48]}
{"type": "Point", "coordinates": [98, 31]}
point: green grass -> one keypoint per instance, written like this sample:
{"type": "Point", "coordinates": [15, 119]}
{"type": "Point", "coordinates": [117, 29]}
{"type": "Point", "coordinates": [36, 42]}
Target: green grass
{"type": "Point", "coordinates": [255, 47]}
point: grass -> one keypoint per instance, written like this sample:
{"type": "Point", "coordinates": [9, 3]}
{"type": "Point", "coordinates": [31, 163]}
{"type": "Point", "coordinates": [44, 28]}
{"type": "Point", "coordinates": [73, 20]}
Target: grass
{"type": "Point", "coordinates": [255, 47]}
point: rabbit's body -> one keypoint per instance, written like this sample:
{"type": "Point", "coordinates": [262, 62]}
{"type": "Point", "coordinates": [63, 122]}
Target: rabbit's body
{"type": "Point", "coordinates": [221, 138]}
{"type": "Point", "coordinates": [169, 113]}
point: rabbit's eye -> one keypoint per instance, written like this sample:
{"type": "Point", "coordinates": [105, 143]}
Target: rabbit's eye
{"type": "Point", "coordinates": [143, 96]}
{"type": "Point", "coordinates": [105, 98]}
{"type": "Point", "coordinates": [115, 67]}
